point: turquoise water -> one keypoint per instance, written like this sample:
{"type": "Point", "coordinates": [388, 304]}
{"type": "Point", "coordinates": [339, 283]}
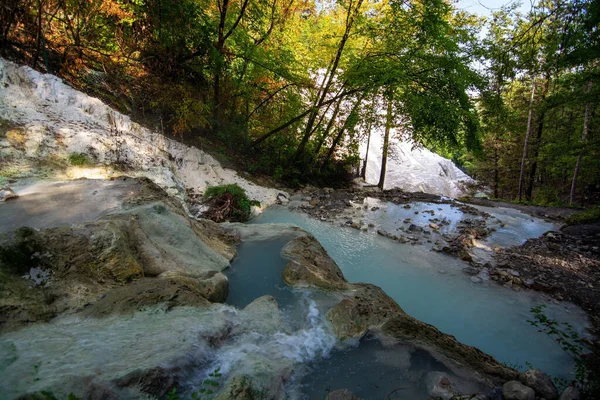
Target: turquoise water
{"type": "Point", "coordinates": [431, 287]}
{"type": "Point", "coordinates": [256, 271]}
{"type": "Point", "coordinates": [372, 371]}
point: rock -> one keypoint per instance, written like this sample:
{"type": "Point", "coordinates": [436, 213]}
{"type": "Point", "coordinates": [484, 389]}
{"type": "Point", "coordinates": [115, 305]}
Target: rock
{"type": "Point", "coordinates": [374, 208]}
{"type": "Point", "coordinates": [515, 390]}
{"type": "Point", "coordinates": [310, 265]}
{"type": "Point", "coordinates": [541, 383]}
{"type": "Point", "coordinates": [307, 198]}
{"type": "Point", "coordinates": [495, 393]}
{"type": "Point", "coordinates": [263, 315]}
{"type": "Point", "coordinates": [470, 270]}
{"type": "Point", "coordinates": [7, 194]}
{"type": "Point", "coordinates": [282, 198]}
{"type": "Point", "coordinates": [369, 307]}
{"type": "Point", "coordinates": [570, 393]}
{"type": "Point", "coordinates": [434, 226]}
{"type": "Point", "coordinates": [439, 386]}
{"type": "Point", "coordinates": [156, 382]}
{"type": "Point", "coordinates": [238, 388]}
{"type": "Point", "coordinates": [405, 328]}
{"type": "Point", "coordinates": [476, 279]}
{"type": "Point", "coordinates": [342, 394]}
{"type": "Point", "coordinates": [414, 228]}
{"type": "Point", "coordinates": [146, 292]}
{"type": "Point", "coordinates": [83, 263]}
{"type": "Point", "coordinates": [214, 287]}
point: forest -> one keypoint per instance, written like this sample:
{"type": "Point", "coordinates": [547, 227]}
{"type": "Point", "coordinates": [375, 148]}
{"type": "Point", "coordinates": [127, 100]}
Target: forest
{"type": "Point", "coordinates": [290, 88]}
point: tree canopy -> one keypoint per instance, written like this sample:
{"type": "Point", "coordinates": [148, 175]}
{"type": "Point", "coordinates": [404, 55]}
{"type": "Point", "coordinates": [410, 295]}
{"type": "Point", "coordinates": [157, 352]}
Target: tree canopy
{"type": "Point", "coordinates": [290, 88]}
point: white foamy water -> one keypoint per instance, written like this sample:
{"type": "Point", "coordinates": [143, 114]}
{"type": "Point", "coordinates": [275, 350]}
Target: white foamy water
{"type": "Point", "coordinates": [412, 168]}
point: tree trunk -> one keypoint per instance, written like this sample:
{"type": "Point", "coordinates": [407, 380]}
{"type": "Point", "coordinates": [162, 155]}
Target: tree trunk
{"type": "Point", "coordinates": [299, 117]}
{"type": "Point", "coordinates": [352, 13]}
{"type": "Point", "coordinates": [38, 41]}
{"type": "Point", "coordinates": [586, 121]}
{"type": "Point", "coordinates": [336, 110]}
{"type": "Point", "coordinates": [496, 174]}
{"type": "Point", "coordinates": [538, 142]}
{"type": "Point", "coordinates": [527, 135]}
{"type": "Point", "coordinates": [340, 134]}
{"type": "Point", "coordinates": [363, 172]}
{"type": "Point", "coordinates": [386, 144]}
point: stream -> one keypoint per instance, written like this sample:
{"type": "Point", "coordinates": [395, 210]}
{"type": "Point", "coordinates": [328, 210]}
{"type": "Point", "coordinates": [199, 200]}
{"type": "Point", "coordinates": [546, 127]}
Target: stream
{"type": "Point", "coordinates": [286, 337]}
{"type": "Point", "coordinates": [431, 287]}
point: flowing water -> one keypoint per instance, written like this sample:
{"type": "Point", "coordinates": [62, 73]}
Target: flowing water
{"type": "Point", "coordinates": [431, 287]}
{"type": "Point", "coordinates": [285, 342]}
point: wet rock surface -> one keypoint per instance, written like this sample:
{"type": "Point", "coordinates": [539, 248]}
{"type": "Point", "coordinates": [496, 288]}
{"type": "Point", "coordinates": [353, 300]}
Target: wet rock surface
{"type": "Point", "coordinates": [541, 383]}
{"type": "Point", "coordinates": [66, 269]}
{"type": "Point", "coordinates": [514, 390]}
{"type": "Point", "coordinates": [367, 307]}
{"type": "Point", "coordinates": [565, 264]}
{"type": "Point", "coordinates": [310, 265]}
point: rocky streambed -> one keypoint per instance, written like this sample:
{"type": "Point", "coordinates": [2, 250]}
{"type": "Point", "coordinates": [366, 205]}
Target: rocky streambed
{"type": "Point", "coordinates": [131, 301]}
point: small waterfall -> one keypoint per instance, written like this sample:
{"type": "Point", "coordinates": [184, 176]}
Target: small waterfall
{"type": "Point", "coordinates": [415, 169]}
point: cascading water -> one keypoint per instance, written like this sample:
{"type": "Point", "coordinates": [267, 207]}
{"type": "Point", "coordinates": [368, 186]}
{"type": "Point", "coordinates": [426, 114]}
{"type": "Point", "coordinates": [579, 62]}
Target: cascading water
{"type": "Point", "coordinates": [414, 169]}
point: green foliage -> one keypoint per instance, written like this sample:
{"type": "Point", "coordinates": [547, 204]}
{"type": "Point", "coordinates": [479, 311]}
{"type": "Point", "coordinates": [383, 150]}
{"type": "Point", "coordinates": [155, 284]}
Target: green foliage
{"type": "Point", "coordinates": [587, 375]}
{"type": "Point", "coordinates": [79, 159]}
{"type": "Point", "coordinates": [228, 202]}
{"type": "Point", "coordinates": [586, 217]}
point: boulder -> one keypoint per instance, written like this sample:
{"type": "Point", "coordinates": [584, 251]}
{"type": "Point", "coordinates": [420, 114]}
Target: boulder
{"type": "Point", "coordinates": [541, 383]}
{"type": "Point", "coordinates": [515, 390]}
{"type": "Point", "coordinates": [368, 307]}
{"type": "Point", "coordinates": [214, 286]}
{"type": "Point", "coordinates": [262, 315]}
{"type": "Point", "coordinates": [310, 265]}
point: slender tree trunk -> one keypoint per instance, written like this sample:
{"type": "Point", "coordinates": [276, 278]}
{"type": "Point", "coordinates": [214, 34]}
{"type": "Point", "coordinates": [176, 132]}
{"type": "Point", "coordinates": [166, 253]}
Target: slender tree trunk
{"type": "Point", "coordinates": [300, 117]}
{"type": "Point", "coordinates": [586, 121]}
{"type": "Point", "coordinates": [496, 174]}
{"type": "Point", "coordinates": [386, 144]}
{"type": "Point", "coordinates": [340, 134]}
{"type": "Point", "coordinates": [538, 142]}
{"type": "Point", "coordinates": [363, 172]}
{"type": "Point", "coordinates": [527, 135]}
{"type": "Point", "coordinates": [352, 13]}
{"type": "Point", "coordinates": [336, 111]}
{"type": "Point", "coordinates": [38, 44]}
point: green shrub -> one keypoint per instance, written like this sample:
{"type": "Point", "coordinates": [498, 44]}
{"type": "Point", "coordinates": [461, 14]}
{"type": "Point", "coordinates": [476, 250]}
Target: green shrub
{"type": "Point", "coordinates": [79, 159]}
{"type": "Point", "coordinates": [228, 203]}
{"type": "Point", "coordinates": [589, 216]}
